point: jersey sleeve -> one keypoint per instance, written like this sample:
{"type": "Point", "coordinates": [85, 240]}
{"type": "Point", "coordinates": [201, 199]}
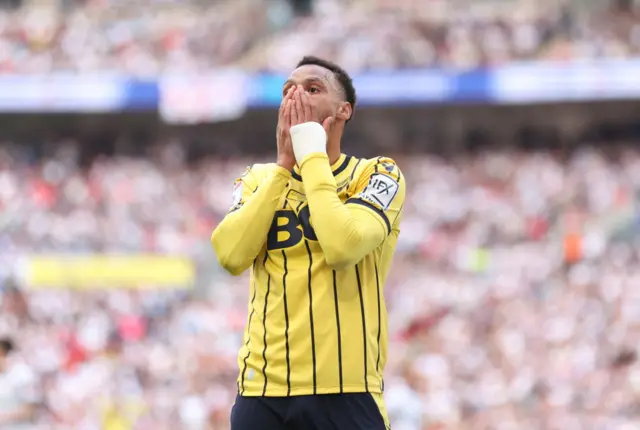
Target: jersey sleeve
{"type": "Point", "coordinates": [243, 188]}
{"type": "Point", "coordinates": [240, 236]}
{"type": "Point", "coordinates": [381, 189]}
{"type": "Point", "coordinates": [348, 232]}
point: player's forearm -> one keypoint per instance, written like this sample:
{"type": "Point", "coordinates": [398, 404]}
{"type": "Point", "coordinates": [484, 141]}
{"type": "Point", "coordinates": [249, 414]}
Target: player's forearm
{"type": "Point", "coordinates": [347, 233]}
{"type": "Point", "coordinates": [240, 236]}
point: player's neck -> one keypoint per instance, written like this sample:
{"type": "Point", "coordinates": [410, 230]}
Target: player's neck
{"type": "Point", "coordinates": [333, 150]}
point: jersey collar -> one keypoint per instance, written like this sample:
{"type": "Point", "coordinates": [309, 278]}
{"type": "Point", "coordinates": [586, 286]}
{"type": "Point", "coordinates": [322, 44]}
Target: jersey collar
{"type": "Point", "coordinates": [338, 167]}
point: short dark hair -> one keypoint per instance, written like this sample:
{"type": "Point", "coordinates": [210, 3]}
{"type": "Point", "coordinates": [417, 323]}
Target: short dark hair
{"type": "Point", "coordinates": [341, 75]}
{"type": "Point", "coordinates": [6, 345]}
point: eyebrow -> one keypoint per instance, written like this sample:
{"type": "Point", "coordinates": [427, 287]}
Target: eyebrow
{"type": "Point", "coordinates": [320, 80]}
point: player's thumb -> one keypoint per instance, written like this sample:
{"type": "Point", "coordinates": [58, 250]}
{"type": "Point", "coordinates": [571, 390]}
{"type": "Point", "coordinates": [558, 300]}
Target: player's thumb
{"type": "Point", "coordinates": [328, 124]}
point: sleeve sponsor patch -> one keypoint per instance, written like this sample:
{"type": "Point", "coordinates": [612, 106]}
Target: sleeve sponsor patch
{"type": "Point", "coordinates": [237, 194]}
{"type": "Point", "coordinates": [380, 191]}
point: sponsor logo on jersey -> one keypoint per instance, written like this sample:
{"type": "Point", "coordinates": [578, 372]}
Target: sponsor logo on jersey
{"type": "Point", "coordinates": [380, 191]}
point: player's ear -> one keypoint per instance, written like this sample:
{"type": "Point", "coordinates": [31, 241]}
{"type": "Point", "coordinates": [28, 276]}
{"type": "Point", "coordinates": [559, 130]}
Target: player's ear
{"type": "Point", "coordinates": [344, 111]}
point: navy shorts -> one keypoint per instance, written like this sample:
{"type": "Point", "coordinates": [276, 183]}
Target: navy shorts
{"type": "Point", "coordinates": [357, 411]}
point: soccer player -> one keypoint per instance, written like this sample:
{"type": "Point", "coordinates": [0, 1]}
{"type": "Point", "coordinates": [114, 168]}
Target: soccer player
{"type": "Point", "coordinates": [318, 230]}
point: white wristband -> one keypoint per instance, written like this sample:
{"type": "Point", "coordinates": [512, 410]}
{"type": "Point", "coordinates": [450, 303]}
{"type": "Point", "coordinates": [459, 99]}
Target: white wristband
{"type": "Point", "coordinates": [307, 138]}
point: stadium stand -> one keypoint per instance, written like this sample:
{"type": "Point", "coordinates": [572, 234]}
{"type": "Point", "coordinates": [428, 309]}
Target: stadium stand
{"type": "Point", "coordinates": [143, 39]}
{"type": "Point", "coordinates": [496, 315]}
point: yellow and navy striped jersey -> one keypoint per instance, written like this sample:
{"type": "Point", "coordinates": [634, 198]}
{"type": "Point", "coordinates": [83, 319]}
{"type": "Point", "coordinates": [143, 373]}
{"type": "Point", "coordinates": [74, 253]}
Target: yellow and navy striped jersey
{"type": "Point", "coordinates": [319, 243]}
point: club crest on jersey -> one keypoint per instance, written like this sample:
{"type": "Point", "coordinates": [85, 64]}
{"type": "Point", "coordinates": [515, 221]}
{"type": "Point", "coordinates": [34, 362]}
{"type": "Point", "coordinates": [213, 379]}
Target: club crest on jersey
{"type": "Point", "coordinates": [380, 191]}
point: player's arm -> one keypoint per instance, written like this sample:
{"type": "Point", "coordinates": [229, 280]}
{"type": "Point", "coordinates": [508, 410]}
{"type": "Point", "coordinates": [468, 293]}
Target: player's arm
{"type": "Point", "coordinates": [347, 232]}
{"type": "Point", "coordinates": [238, 239]}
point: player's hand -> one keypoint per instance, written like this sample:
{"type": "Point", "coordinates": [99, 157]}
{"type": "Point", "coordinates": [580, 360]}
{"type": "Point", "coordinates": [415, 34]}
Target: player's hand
{"type": "Point", "coordinates": [309, 134]}
{"type": "Point", "coordinates": [286, 159]}
{"type": "Point", "coordinates": [328, 124]}
{"type": "Point", "coordinates": [303, 109]}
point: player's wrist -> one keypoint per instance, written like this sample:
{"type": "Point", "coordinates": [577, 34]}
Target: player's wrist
{"type": "Point", "coordinates": [307, 138]}
{"type": "Point", "coordinates": [283, 171]}
{"type": "Point", "coordinates": [286, 164]}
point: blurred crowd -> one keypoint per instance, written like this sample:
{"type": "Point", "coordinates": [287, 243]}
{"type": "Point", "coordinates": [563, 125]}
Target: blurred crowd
{"type": "Point", "coordinates": [454, 34]}
{"type": "Point", "coordinates": [154, 37]}
{"type": "Point", "coordinates": [142, 38]}
{"type": "Point", "coordinates": [513, 300]}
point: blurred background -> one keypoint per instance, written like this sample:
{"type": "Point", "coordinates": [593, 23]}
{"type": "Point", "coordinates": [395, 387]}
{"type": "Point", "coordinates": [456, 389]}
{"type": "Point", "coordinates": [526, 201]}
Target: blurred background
{"type": "Point", "coordinates": [514, 299]}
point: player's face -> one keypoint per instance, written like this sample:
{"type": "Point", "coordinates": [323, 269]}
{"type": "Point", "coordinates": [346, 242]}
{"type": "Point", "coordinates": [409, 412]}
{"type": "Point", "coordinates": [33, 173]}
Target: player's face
{"type": "Point", "coordinates": [322, 86]}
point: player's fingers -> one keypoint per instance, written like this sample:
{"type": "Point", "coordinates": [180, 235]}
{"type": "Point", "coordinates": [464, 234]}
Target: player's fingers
{"type": "Point", "coordinates": [287, 112]}
{"type": "Point", "coordinates": [288, 95]}
{"type": "Point", "coordinates": [283, 104]}
{"type": "Point", "coordinates": [328, 124]}
{"type": "Point", "coordinates": [314, 111]}
{"type": "Point", "coordinates": [299, 106]}
{"type": "Point", "coordinates": [281, 113]}
{"type": "Point", "coordinates": [295, 109]}
{"type": "Point", "coordinates": [308, 107]}
{"type": "Point", "coordinates": [288, 115]}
